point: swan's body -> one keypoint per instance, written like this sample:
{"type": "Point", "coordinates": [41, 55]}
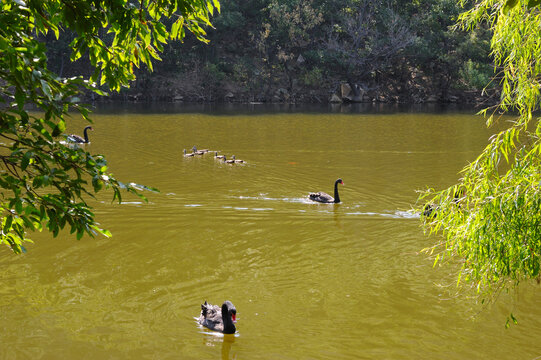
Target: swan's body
{"type": "Point", "coordinates": [237, 161]}
{"type": "Point", "coordinates": [326, 198]}
{"type": "Point", "coordinates": [79, 140]}
{"type": "Point", "coordinates": [222, 320]}
{"type": "Point", "coordinates": [216, 156]}
{"type": "Point", "coordinates": [188, 155]}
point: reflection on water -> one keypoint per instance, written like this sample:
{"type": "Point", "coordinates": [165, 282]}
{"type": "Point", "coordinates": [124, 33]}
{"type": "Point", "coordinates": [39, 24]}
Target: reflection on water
{"type": "Point", "coordinates": [265, 108]}
{"type": "Point", "coordinates": [310, 280]}
{"type": "Point", "coordinates": [223, 341]}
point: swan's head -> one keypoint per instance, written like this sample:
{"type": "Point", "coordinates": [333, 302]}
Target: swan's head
{"type": "Point", "coordinates": [339, 181]}
{"type": "Point", "coordinates": [88, 128]}
{"type": "Point", "coordinates": [229, 309]}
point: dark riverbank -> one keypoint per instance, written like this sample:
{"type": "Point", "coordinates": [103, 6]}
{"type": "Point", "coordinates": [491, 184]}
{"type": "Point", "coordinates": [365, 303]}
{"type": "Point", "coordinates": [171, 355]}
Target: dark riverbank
{"type": "Point", "coordinates": [313, 52]}
{"type": "Point", "coordinates": [254, 108]}
{"type": "Point", "coordinates": [165, 92]}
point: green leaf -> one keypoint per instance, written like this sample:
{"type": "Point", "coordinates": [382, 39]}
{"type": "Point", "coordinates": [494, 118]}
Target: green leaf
{"type": "Point", "coordinates": [19, 206]}
{"type": "Point", "coordinates": [46, 89]}
{"type": "Point", "coordinates": [20, 97]}
{"type": "Point", "coordinates": [217, 5]}
{"type": "Point", "coordinates": [175, 28]}
{"type": "Point", "coordinates": [26, 159]}
{"type": "Point", "coordinates": [59, 128]}
{"type": "Point", "coordinates": [37, 182]}
{"type": "Point", "coordinates": [8, 222]}
{"type": "Point", "coordinates": [436, 260]}
{"type": "Point", "coordinates": [533, 3]}
{"type": "Point", "coordinates": [509, 4]}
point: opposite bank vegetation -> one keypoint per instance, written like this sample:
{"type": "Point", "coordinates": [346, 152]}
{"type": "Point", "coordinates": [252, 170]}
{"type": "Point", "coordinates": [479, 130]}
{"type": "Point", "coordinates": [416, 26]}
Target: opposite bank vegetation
{"type": "Point", "coordinates": [314, 51]}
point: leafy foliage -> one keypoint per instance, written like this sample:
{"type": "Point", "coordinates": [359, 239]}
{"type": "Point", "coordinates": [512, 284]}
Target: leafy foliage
{"type": "Point", "coordinates": [367, 37]}
{"type": "Point", "coordinates": [491, 219]}
{"type": "Point", "coordinates": [44, 180]}
{"type": "Point", "coordinates": [259, 45]}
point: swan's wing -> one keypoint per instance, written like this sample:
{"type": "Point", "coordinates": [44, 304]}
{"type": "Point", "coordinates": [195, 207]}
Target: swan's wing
{"type": "Point", "coordinates": [211, 312]}
{"type": "Point", "coordinates": [321, 197]}
{"type": "Point", "coordinates": [75, 138]}
{"type": "Point", "coordinates": [211, 317]}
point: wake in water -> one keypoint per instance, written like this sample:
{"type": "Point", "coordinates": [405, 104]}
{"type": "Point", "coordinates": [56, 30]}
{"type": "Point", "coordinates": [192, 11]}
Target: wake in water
{"type": "Point", "coordinates": [398, 214]}
{"type": "Point", "coordinates": [291, 200]}
{"type": "Point", "coordinates": [392, 214]}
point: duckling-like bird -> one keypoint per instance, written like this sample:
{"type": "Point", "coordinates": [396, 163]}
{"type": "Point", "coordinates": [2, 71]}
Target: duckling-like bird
{"type": "Point", "coordinates": [222, 320]}
{"type": "Point", "coordinates": [326, 198]}
{"type": "Point", "coordinates": [228, 161]}
{"type": "Point", "coordinates": [237, 161]}
{"type": "Point", "coordinates": [199, 152]}
{"type": "Point", "coordinates": [219, 157]}
{"type": "Point", "coordinates": [79, 140]}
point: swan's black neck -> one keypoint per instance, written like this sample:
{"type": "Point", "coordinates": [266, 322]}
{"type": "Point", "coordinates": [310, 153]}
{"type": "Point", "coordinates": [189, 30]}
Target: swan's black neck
{"type": "Point", "coordinates": [85, 133]}
{"type": "Point", "coordinates": [229, 326]}
{"type": "Point", "coordinates": [336, 196]}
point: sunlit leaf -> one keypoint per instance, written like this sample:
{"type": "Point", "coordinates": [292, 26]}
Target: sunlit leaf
{"type": "Point", "coordinates": [59, 128]}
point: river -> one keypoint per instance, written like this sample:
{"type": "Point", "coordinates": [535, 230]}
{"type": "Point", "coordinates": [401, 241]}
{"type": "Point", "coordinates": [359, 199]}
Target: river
{"type": "Point", "coordinates": [309, 280]}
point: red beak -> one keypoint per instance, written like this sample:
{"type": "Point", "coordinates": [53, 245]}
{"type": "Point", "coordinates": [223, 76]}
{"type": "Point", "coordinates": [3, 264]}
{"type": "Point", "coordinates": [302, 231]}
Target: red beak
{"type": "Point", "coordinates": [234, 317]}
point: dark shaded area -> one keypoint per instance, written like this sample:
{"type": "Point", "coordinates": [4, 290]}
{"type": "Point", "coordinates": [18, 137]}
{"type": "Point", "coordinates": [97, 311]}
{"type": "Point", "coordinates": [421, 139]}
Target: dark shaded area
{"type": "Point", "coordinates": [316, 51]}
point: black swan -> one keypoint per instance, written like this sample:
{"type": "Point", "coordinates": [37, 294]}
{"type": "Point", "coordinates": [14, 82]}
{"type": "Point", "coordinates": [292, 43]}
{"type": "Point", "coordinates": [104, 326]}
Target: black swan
{"type": "Point", "coordinates": [326, 198]}
{"type": "Point", "coordinates": [430, 210]}
{"type": "Point", "coordinates": [237, 161]}
{"type": "Point", "coordinates": [188, 155]}
{"type": "Point", "coordinates": [212, 317]}
{"type": "Point", "coordinates": [77, 139]}
{"type": "Point", "coordinates": [216, 156]}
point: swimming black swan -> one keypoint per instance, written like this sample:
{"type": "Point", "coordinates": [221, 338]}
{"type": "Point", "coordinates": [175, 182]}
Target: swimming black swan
{"type": "Point", "coordinates": [212, 317]}
{"type": "Point", "coordinates": [326, 198]}
{"type": "Point", "coordinates": [77, 139]}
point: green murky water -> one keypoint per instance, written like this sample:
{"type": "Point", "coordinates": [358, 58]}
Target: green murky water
{"type": "Point", "coordinates": [310, 281]}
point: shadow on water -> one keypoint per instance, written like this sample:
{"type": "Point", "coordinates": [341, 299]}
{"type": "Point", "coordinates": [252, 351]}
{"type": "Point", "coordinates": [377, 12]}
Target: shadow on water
{"type": "Point", "coordinates": [268, 108]}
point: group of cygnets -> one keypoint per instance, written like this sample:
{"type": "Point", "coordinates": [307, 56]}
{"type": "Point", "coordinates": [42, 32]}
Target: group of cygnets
{"type": "Point", "coordinates": [196, 152]}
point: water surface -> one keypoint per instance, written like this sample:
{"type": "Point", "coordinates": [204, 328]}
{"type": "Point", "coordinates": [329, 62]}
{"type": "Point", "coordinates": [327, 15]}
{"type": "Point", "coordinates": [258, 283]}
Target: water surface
{"type": "Point", "coordinates": [310, 281]}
